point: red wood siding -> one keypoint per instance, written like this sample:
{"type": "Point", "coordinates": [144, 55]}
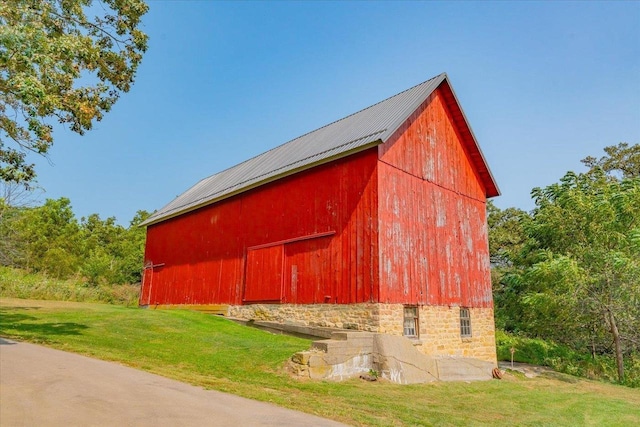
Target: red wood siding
{"type": "Point", "coordinates": [312, 277]}
{"type": "Point", "coordinates": [433, 235]}
{"type": "Point", "coordinates": [204, 252]}
{"type": "Point", "coordinates": [264, 274]}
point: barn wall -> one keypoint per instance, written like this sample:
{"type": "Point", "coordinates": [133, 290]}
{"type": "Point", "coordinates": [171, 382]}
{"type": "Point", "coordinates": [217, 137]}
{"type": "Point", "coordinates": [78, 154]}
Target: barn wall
{"type": "Point", "coordinates": [309, 238]}
{"type": "Point", "coordinates": [433, 234]}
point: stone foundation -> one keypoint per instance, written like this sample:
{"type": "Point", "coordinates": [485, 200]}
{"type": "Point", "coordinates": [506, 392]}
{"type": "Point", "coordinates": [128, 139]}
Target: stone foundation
{"type": "Point", "coordinates": [439, 326]}
{"type": "Point", "coordinates": [361, 317]}
{"type": "Point", "coordinates": [440, 333]}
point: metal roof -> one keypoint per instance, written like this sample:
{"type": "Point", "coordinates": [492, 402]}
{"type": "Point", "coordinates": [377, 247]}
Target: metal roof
{"type": "Point", "coordinates": [356, 132]}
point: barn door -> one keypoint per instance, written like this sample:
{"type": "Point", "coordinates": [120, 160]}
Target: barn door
{"type": "Point", "coordinates": [308, 264]}
{"type": "Point", "coordinates": [264, 274]}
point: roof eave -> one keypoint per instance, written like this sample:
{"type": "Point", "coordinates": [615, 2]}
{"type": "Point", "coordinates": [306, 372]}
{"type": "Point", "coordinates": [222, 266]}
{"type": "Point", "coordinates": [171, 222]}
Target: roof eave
{"type": "Point", "coordinates": [480, 162]}
{"type": "Point", "coordinates": [180, 212]}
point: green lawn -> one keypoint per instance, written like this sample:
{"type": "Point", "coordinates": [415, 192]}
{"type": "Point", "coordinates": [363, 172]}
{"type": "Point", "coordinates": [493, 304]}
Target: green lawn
{"type": "Point", "coordinates": [216, 353]}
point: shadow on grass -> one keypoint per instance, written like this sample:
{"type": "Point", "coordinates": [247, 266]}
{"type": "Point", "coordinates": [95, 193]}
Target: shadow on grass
{"type": "Point", "coordinates": [29, 325]}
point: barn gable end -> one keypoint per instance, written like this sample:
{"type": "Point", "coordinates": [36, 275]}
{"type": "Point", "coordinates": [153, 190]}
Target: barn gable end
{"type": "Point", "coordinates": [432, 214]}
{"type": "Point", "coordinates": [348, 226]}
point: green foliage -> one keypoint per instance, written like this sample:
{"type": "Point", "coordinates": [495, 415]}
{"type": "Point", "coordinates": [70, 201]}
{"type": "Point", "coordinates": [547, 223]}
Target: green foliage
{"type": "Point", "coordinates": [16, 283]}
{"type": "Point", "coordinates": [530, 350]}
{"type": "Point", "coordinates": [113, 254]}
{"type": "Point", "coordinates": [50, 235]}
{"type": "Point", "coordinates": [565, 359]}
{"type": "Point", "coordinates": [622, 160]}
{"type": "Point", "coordinates": [65, 61]}
{"type": "Point", "coordinates": [588, 261]}
{"type": "Point", "coordinates": [49, 239]}
{"type": "Point", "coordinates": [572, 270]}
{"type": "Point", "coordinates": [506, 234]}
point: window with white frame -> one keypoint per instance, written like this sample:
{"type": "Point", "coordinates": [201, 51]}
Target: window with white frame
{"type": "Point", "coordinates": [465, 323]}
{"type": "Point", "coordinates": [410, 328]}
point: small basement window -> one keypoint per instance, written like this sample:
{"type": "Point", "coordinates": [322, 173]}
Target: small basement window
{"type": "Point", "coordinates": [465, 323]}
{"type": "Point", "coordinates": [411, 321]}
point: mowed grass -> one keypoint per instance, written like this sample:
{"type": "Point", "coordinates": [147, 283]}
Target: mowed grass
{"type": "Point", "coordinates": [216, 353]}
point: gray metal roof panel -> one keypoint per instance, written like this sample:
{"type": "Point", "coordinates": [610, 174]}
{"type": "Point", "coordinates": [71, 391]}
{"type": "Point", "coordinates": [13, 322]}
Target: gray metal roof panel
{"type": "Point", "coordinates": [360, 130]}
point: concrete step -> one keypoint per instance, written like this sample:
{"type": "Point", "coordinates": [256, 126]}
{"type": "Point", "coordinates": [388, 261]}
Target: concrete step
{"type": "Point", "coordinates": [352, 344]}
{"type": "Point", "coordinates": [352, 336]}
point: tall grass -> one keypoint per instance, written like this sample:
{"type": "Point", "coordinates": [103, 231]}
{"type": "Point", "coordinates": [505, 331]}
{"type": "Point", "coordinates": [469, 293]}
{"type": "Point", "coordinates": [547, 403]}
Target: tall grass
{"type": "Point", "coordinates": [15, 283]}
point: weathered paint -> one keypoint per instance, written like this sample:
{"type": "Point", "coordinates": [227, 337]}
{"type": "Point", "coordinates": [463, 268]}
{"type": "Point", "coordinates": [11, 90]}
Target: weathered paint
{"type": "Point", "coordinates": [404, 222]}
{"type": "Point", "coordinates": [433, 239]}
{"type": "Point", "coordinates": [308, 238]}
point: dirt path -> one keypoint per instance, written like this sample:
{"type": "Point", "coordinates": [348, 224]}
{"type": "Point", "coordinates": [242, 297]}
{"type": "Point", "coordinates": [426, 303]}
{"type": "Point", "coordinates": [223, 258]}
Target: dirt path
{"type": "Point", "coordinates": [42, 386]}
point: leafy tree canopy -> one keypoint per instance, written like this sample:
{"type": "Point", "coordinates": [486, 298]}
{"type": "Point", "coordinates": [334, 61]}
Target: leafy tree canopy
{"type": "Point", "coordinates": [569, 271]}
{"type": "Point", "coordinates": [622, 159]}
{"type": "Point", "coordinates": [65, 61]}
{"type": "Point", "coordinates": [48, 238]}
{"type": "Point", "coordinates": [506, 235]}
{"type": "Point", "coordinates": [586, 231]}
{"type": "Point", "coordinates": [574, 264]}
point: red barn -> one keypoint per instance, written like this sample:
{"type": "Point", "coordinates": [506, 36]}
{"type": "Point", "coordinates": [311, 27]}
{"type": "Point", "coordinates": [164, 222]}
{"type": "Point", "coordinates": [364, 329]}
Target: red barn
{"type": "Point", "coordinates": [375, 222]}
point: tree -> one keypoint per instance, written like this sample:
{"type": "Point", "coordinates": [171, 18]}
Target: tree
{"type": "Point", "coordinates": [14, 200]}
{"type": "Point", "coordinates": [51, 237]}
{"type": "Point", "coordinates": [585, 235]}
{"type": "Point", "coordinates": [506, 235]}
{"type": "Point", "coordinates": [621, 159]}
{"type": "Point", "coordinates": [111, 253]}
{"type": "Point", "coordinates": [99, 237]}
{"type": "Point", "coordinates": [64, 60]}
{"type": "Point", "coordinates": [569, 271]}
{"type": "Point", "coordinates": [507, 238]}
{"type": "Point", "coordinates": [132, 249]}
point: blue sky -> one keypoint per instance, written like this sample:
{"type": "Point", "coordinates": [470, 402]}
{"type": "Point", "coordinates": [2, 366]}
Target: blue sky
{"type": "Point", "coordinates": [543, 84]}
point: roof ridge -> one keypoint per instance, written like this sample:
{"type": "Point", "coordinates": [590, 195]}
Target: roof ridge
{"type": "Point", "coordinates": [359, 111]}
{"type": "Point", "coordinates": [316, 130]}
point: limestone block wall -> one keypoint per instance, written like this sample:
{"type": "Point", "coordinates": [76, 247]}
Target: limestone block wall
{"type": "Point", "coordinates": [440, 333]}
{"type": "Point", "coordinates": [439, 326]}
{"type": "Point", "coordinates": [362, 317]}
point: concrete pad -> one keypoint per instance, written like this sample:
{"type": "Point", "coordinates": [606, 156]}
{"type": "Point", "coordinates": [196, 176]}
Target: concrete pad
{"type": "Point", "coordinates": [399, 361]}
{"type": "Point", "coordinates": [42, 386]}
{"type": "Point", "coordinates": [464, 369]}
